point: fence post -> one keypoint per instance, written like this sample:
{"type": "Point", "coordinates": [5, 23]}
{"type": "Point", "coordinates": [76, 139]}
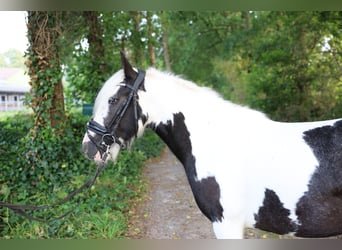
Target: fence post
{"type": "Point", "coordinates": [87, 109]}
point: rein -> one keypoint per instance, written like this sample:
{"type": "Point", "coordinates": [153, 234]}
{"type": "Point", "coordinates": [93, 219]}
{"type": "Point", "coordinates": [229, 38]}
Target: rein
{"type": "Point", "coordinates": [21, 209]}
{"type": "Point", "coordinates": [108, 139]}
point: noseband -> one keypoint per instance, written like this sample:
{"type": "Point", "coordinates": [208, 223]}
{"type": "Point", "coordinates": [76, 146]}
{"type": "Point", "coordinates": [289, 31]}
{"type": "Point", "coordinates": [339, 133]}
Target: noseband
{"type": "Point", "coordinates": [108, 133]}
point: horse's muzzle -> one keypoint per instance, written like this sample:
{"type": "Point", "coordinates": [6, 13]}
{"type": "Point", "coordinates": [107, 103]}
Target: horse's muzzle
{"type": "Point", "coordinates": [90, 150]}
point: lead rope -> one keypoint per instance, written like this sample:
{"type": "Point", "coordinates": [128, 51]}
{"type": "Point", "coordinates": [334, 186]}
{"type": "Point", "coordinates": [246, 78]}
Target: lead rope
{"type": "Point", "coordinates": [21, 209]}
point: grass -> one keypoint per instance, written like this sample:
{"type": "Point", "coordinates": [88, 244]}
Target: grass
{"type": "Point", "coordinates": [9, 114]}
{"type": "Point", "coordinates": [101, 215]}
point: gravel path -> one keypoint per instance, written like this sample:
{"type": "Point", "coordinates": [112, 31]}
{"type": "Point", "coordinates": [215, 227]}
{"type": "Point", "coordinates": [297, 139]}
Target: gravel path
{"type": "Point", "coordinates": [168, 210]}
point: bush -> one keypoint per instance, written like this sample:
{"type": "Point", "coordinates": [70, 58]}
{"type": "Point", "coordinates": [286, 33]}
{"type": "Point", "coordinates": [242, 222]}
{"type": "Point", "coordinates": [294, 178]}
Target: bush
{"type": "Point", "coordinates": [52, 163]}
{"type": "Point", "coordinates": [102, 211]}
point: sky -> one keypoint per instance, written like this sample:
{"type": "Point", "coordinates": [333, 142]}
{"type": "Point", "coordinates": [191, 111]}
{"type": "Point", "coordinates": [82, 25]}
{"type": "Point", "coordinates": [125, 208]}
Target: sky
{"type": "Point", "coordinates": [13, 31]}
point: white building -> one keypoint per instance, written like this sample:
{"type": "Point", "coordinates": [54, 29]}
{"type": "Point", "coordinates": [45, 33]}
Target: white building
{"type": "Point", "coordinates": [13, 87]}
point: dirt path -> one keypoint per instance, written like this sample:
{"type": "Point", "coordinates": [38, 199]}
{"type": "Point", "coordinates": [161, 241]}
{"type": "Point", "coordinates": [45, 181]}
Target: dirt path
{"type": "Point", "coordinates": [168, 210]}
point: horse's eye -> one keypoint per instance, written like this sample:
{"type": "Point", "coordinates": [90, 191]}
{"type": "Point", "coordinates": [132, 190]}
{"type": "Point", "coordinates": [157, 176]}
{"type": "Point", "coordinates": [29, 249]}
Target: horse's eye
{"type": "Point", "coordinates": [113, 100]}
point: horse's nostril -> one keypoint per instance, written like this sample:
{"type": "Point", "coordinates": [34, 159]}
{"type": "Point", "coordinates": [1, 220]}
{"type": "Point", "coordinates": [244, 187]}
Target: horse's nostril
{"type": "Point", "coordinates": [89, 149]}
{"type": "Point", "coordinates": [84, 148]}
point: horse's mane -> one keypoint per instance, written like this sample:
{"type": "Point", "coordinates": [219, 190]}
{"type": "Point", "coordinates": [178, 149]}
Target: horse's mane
{"type": "Point", "coordinates": [194, 94]}
{"type": "Point", "coordinates": [181, 83]}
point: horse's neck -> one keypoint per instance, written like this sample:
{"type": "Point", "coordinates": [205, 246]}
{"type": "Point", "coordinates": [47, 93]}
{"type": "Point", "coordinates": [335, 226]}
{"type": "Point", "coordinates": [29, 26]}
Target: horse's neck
{"type": "Point", "coordinates": [164, 104]}
{"type": "Point", "coordinates": [176, 108]}
{"type": "Point", "coordinates": [179, 111]}
{"type": "Point", "coordinates": [167, 95]}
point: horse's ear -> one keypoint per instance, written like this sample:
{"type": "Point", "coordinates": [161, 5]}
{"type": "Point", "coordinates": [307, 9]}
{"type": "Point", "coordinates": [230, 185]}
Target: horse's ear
{"type": "Point", "coordinates": [130, 74]}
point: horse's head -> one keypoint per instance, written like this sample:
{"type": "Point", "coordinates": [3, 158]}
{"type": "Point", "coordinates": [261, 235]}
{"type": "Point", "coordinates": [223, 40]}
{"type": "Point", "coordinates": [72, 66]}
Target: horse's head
{"type": "Point", "coordinates": [117, 118]}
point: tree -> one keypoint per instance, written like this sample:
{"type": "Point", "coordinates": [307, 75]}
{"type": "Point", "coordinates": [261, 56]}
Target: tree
{"type": "Point", "coordinates": [164, 24]}
{"type": "Point", "coordinates": [47, 100]}
{"type": "Point", "coordinates": [46, 97]}
{"type": "Point", "coordinates": [95, 41]}
{"type": "Point", "coordinates": [12, 58]}
{"type": "Point", "coordinates": [88, 65]}
{"type": "Point", "coordinates": [138, 48]}
{"type": "Point", "coordinates": [150, 39]}
{"type": "Point", "coordinates": [102, 35]}
{"type": "Point", "coordinates": [288, 65]}
{"type": "Point", "coordinates": [196, 39]}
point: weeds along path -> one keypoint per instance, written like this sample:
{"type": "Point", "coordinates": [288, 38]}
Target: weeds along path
{"type": "Point", "coordinates": [168, 209]}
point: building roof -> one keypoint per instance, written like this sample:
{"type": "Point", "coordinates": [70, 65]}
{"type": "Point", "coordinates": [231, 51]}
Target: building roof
{"type": "Point", "coordinates": [6, 73]}
{"type": "Point", "coordinates": [13, 80]}
{"type": "Point", "coordinates": [13, 89]}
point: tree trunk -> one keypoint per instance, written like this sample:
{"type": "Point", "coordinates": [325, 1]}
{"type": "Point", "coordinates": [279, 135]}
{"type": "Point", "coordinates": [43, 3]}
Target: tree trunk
{"type": "Point", "coordinates": [95, 41]}
{"type": "Point", "coordinates": [57, 110]}
{"type": "Point", "coordinates": [47, 100]}
{"type": "Point", "coordinates": [245, 15]}
{"type": "Point", "coordinates": [138, 51]}
{"type": "Point", "coordinates": [150, 39]}
{"type": "Point", "coordinates": [165, 42]}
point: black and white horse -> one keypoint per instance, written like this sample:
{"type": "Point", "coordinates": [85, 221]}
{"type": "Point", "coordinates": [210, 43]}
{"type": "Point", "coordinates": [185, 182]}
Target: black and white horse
{"type": "Point", "coordinates": [243, 168]}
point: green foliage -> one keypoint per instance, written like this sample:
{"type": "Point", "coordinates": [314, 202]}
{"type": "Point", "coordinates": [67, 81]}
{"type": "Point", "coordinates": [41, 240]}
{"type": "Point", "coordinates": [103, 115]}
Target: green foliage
{"type": "Point", "coordinates": [59, 156]}
{"type": "Point", "coordinates": [12, 58]}
{"type": "Point", "coordinates": [150, 144]}
{"type": "Point", "coordinates": [103, 210]}
{"type": "Point", "coordinates": [286, 64]}
{"type": "Point", "coordinates": [43, 143]}
{"type": "Point", "coordinates": [90, 62]}
{"type": "Point", "coordinates": [196, 39]}
{"type": "Point", "coordinates": [281, 65]}
{"type": "Point", "coordinates": [83, 72]}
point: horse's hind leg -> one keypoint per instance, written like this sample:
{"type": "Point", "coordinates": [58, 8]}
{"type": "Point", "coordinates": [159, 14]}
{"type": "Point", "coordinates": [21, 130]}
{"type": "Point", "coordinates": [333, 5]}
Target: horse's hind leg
{"type": "Point", "coordinates": [320, 215]}
{"type": "Point", "coordinates": [231, 228]}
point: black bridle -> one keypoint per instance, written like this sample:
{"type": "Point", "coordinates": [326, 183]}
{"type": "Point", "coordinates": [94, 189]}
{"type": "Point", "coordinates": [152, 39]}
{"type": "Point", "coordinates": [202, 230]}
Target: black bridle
{"type": "Point", "coordinates": [108, 133]}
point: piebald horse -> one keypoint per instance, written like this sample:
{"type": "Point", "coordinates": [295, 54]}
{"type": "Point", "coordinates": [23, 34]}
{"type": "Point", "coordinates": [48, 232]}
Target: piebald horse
{"type": "Point", "coordinates": [243, 168]}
